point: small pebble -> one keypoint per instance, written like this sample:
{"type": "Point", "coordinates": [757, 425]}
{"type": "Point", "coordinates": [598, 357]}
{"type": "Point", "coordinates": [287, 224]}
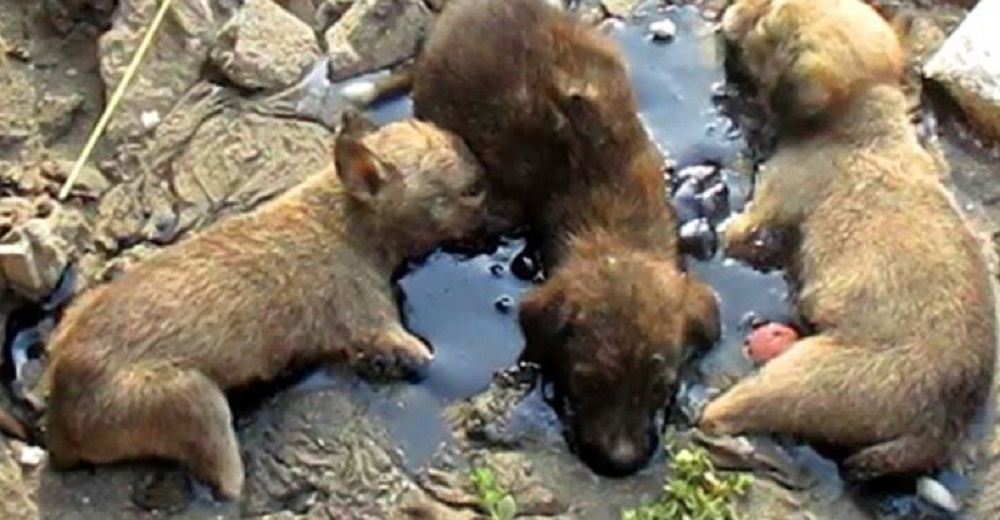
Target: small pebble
{"type": "Point", "coordinates": [524, 267]}
{"type": "Point", "coordinates": [149, 118]}
{"type": "Point", "coordinates": [936, 493]}
{"type": "Point", "coordinates": [698, 239]}
{"type": "Point", "coordinates": [504, 304]}
{"type": "Point", "coordinates": [359, 92]}
{"type": "Point", "coordinates": [749, 320]}
{"type": "Point", "coordinates": [663, 30]}
{"type": "Point", "coordinates": [31, 456]}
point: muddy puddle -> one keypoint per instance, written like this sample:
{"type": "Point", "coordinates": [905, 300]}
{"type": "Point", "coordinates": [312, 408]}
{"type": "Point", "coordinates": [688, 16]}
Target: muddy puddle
{"type": "Point", "coordinates": [464, 306]}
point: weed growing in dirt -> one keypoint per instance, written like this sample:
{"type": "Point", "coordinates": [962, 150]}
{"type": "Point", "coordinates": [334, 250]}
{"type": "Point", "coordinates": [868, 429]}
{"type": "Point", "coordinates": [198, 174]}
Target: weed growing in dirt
{"type": "Point", "coordinates": [694, 491]}
{"type": "Point", "coordinates": [497, 503]}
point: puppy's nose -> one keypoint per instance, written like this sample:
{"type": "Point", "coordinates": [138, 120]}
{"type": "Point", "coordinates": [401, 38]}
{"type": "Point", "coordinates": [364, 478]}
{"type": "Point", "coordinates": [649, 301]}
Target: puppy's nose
{"type": "Point", "coordinates": [623, 454]}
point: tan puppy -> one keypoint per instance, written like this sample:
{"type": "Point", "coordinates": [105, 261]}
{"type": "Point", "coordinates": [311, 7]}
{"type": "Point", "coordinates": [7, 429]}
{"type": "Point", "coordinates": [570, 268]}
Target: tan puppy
{"type": "Point", "coordinates": [883, 264]}
{"type": "Point", "coordinates": [140, 367]}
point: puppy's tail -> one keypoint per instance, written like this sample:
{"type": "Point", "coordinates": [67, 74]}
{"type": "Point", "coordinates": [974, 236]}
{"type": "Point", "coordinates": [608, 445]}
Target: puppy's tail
{"type": "Point", "coordinates": [366, 93]}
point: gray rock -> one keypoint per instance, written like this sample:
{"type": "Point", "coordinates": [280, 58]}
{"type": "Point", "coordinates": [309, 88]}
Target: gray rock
{"type": "Point", "coordinates": [19, 96]}
{"type": "Point", "coordinates": [134, 212]}
{"type": "Point", "coordinates": [239, 159]}
{"type": "Point", "coordinates": [15, 500]}
{"type": "Point", "coordinates": [90, 180]}
{"type": "Point", "coordinates": [172, 64]}
{"type": "Point", "coordinates": [374, 34]}
{"type": "Point", "coordinates": [319, 14]}
{"type": "Point", "coordinates": [265, 47]}
{"type": "Point", "coordinates": [620, 8]}
{"type": "Point", "coordinates": [328, 12]}
{"type": "Point", "coordinates": [968, 68]}
{"type": "Point", "coordinates": [62, 13]}
{"type": "Point", "coordinates": [56, 114]}
{"type": "Point", "coordinates": [33, 258]}
{"type": "Point", "coordinates": [304, 10]}
{"type": "Point", "coordinates": [319, 452]}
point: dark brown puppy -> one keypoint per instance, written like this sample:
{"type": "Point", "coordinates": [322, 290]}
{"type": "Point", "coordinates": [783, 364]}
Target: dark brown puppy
{"type": "Point", "coordinates": [885, 267]}
{"type": "Point", "coordinates": [140, 367]}
{"type": "Point", "coordinates": [544, 102]}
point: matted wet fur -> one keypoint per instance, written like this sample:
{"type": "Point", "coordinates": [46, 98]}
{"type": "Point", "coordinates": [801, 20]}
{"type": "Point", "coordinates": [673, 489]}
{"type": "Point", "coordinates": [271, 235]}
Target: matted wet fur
{"type": "Point", "coordinates": [544, 102]}
{"type": "Point", "coordinates": [884, 266]}
{"type": "Point", "coordinates": [140, 367]}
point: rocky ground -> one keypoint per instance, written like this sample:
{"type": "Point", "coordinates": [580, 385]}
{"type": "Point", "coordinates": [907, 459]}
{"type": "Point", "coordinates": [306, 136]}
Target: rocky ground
{"type": "Point", "coordinates": [218, 120]}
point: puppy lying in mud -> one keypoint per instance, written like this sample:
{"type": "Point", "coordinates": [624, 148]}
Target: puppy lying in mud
{"type": "Point", "coordinates": [883, 265]}
{"type": "Point", "coordinates": [545, 104]}
{"type": "Point", "coordinates": [140, 367]}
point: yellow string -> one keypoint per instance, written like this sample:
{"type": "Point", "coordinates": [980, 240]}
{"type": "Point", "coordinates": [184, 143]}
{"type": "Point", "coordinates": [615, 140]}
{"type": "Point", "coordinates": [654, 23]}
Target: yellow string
{"type": "Point", "coordinates": [116, 98]}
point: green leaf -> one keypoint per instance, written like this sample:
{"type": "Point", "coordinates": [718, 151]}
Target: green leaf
{"type": "Point", "coordinates": [506, 508]}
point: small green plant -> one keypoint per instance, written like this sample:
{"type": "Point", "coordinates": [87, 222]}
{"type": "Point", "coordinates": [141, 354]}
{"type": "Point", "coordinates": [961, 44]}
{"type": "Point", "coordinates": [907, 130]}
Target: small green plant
{"type": "Point", "coordinates": [499, 504]}
{"type": "Point", "coordinates": [694, 491]}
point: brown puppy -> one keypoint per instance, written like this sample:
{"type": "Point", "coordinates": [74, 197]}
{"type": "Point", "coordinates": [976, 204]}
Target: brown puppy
{"type": "Point", "coordinates": [140, 366]}
{"type": "Point", "coordinates": [544, 102]}
{"type": "Point", "coordinates": [884, 266]}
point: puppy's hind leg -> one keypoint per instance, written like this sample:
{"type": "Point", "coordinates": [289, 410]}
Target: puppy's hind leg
{"type": "Point", "coordinates": [909, 454]}
{"type": "Point", "coordinates": [818, 390]}
{"type": "Point", "coordinates": [160, 411]}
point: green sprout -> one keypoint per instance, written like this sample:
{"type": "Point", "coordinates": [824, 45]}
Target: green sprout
{"type": "Point", "coordinates": [694, 491]}
{"type": "Point", "coordinates": [497, 503]}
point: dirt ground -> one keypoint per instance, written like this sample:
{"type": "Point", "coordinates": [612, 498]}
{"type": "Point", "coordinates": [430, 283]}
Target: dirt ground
{"type": "Point", "coordinates": [217, 120]}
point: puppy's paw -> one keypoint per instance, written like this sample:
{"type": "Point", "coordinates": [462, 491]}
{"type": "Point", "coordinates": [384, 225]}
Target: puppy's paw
{"type": "Point", "coordinates": [713, 419]}
{"type": "Point", "coordinates": [737, 234]}
{"type": "Point", "coordinates": [395, 350]}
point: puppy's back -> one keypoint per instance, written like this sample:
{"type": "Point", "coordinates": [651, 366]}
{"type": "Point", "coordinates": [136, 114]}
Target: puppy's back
{"type": "Point", "coordinates": [494, 71]}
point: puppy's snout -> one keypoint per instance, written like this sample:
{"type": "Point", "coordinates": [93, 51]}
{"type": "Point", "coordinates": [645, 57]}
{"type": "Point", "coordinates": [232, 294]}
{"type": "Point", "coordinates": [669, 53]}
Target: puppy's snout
{"type": "Point", "coordinates": [620, 454]}
{"type": "Point", "coordinates": [624, 453]}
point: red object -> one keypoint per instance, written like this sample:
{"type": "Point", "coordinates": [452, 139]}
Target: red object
{"type": "Point", "coordinates": [769, 341]}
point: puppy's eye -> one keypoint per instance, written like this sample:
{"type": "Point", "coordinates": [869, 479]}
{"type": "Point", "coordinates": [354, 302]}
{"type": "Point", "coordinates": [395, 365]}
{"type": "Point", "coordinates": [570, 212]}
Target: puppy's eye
{"type": "Point", "coordinates": [474, 189]}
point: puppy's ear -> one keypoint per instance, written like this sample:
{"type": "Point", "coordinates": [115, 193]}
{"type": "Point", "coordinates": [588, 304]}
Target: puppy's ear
{"type": "Point", "coordinates": [740, 17]}
{"type": "Point", "coordinates": [353, 123]}
{"type": "Point", "coordinates": [806, 86]}
{"type": "Point", "coordinates": [361, 171]}
{"type": "Point", "coordinates": [544, 323]}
